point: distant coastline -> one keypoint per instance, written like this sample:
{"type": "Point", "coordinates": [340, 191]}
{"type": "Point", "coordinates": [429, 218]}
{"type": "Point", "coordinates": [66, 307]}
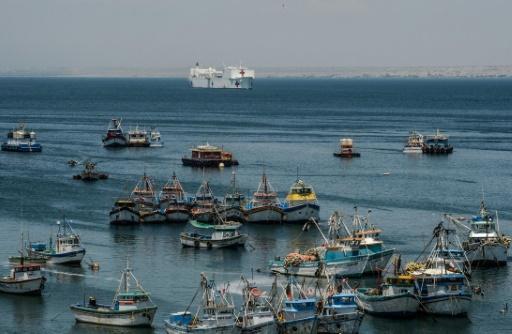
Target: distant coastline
{"type": "Point", "coordinates": [504, 71]}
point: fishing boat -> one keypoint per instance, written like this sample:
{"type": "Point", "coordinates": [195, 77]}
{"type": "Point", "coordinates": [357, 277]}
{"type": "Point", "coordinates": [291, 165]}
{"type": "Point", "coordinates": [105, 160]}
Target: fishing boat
{"type": "Point", "coordinates": [144, 195]}
{"type": "Point", "coordinates": [347, 149]}
{"type": "Point", "coordinates": [66, 249]}
{"type": "Point", "coordinates": [297, 313]}
{"type": "Point", "coordinates": [232, 206]}
{"type": "Point", "coordinates": [396, 297]}
{"type": "Point", "coordinates": [25, 278]}
{"type": "Point", "coordinates": [215, 314]}
{"type": "Point", "coordinates": [485, 246]}
{"type": "Point", "coordinates": [414, 143]}
{"type": "Point", "coordinates": [301, 203]}
{"type": "Point", "coordinates": [256, 315]}
{"type": "Point", "coordinates": [155, 140]}
{"type": "Point", "coordinates": [115, 136]}
{"type": "Point", "coordinates": [366, 237]}
{"type": "Point", "coordinates": [225, 234]}
{"type": "Point", "coordinates": [449, 250]}
{"type": "Point", "coordinates": [328, 260]}
{"type": "Point", "coordinates": [442, 290]}
{"type": "Point", "coordinates": [153, 216]}
{"type": "Point", "coordinates": [138, 138]}
{"type": "Point", "coordinates": [21, 140]}
{"type": "Point", "coordinates": [173, 199]}
{"type": "Point", "coordinates": [209, 156]}
{"type": "Point", "coordinates": [124, 212]}
{"type": "Point", "coordinates": [89, 173]}
{"type": "Point", "coordinates": [264, 206]}
{"type": "Point", "coordinates": [204, 203]}
{"type": "Point", "coordinates": [437, 144]}
{"type": "Point", "coordinates": [131, 306]}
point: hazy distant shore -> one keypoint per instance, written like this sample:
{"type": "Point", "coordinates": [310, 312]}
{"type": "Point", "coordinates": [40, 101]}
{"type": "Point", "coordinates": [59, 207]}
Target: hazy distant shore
{"type": "Point", "coordinates": [275, 72]}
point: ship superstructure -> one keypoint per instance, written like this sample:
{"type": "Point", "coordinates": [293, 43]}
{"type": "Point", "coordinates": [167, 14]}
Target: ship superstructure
{"type": "Point", "coordinates": [230, 77]}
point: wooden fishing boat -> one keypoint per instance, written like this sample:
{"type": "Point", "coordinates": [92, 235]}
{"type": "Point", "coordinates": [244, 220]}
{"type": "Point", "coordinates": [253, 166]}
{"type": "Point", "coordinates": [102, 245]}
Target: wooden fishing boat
{"type": "Point", "coordinates": [256, 316]}
{"type": "Point", "coordinates": [265, 206]}
{"type": "Point", "coordinates": [131, 306]}
{"type": "Point", "coordinates": [25, 278]}
{"type": "Point", "coordinates": [89, 173]}
{"type": "Point", "coordinates": [203, 206]}
{"type": "Point", "coordinates": [124, 212]}
{"type": "Point", "coordinates": [173, 199]}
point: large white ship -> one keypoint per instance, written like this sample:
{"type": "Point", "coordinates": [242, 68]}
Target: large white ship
{"type": "Point", "coordinates": [229, 77]}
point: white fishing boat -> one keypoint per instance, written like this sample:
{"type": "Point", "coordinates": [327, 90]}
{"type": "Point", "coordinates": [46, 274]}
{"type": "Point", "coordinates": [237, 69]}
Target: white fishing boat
{"type": "Point", "coordinates": [486, 246]}
{"type": "Point", "coordinates": [173, 199]}
{"type": "Point", "coordinates": [265, 206]}
{"type": "Point", "coordinates": [301, 203]}
{"type": "Point", "coordinates": [395, 298]}
{"type": "Point", "coordinates": [24, 278]}
{"type": "Point", "coordinates": [215, 314]}
{"type": "Point", "coordinates": [115, 136]}
{"type": "Point", "coordinates": [155, 140]}
{"type": "Point", "coordinates": [124, 212]}
{"type": "Point", "coordinates": [20, 139]}
{"type": "Point", "coordinates": [225, 234]}
{"type": "Point", "coordinates": [131, 306]}
{"type": "Point", "coordinates": [66, 249]}
{"type": "Point", "coordinates": [256, 315]}
{"type": "Point", "coordinates": [414, 143]}
{"type": "Point", "coordinates": [138, 138]}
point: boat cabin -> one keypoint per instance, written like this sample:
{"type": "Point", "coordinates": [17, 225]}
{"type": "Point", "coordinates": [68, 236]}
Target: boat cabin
{"type": "Point", "coordinates": [209, 152]}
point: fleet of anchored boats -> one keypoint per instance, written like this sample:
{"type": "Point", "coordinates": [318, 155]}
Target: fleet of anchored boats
{"type": "Point", "coordinates": [437, 282]}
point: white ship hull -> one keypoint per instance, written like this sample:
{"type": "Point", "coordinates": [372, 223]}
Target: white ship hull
{"type": "Point", "coordinates": [173, 329]}
{"type": "Point", "coordinates": [153, 217]}
{"type": "Point", "coordinates": [124, 216]}
{"type": "Point", "coordinates": [215, 82]}
{"type": "Point", "coordinates": [133, 318]}
{"type": "Point", "coordinates": [267, 214]}
{"type": "Point", "coordinates": [232, 213]}
{"type": "Point", "coordinates": [61, 258]}
{"type": "Point", "coordinates": [452, 305]}
{"type": "Point", "coordinates": [29, 286]}
{"type": "Point", "coordinates": [340, 323]}
{"type": "Point", "coordinates": [404, 305]}
{"type": "Point", "coordinates": [301, 213]}
{"type": "Point", "coordinates": [177, 216]}
{"type": "Point", "coordinates": [415, 149]}
{"type": "Point", "coordinates": [492, 254]}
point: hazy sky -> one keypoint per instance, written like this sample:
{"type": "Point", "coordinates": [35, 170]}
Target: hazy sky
{"type": "Point", "coordinates": [168, 33]}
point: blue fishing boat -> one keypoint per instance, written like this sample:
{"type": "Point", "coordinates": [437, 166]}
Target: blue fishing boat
{"type": "Point", "coordinates": [21, 140]}
{"type": "Point", "coordinates": [297, 314]}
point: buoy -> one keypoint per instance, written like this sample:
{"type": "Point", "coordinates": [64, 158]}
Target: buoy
{"type": "Point", "coordinates": [386, 173]}
{"type": "Point", "coordinates": [221, 165]}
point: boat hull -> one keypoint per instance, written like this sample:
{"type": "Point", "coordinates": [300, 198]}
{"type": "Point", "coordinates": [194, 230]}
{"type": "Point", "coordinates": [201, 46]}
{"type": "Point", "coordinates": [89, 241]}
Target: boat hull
{"type": "Point", "coordinates": [208, 163]}
{"type": "Point", "coordinates": [347, 155]}
{"type": "Point", "coordinates": [450, 305]}
{"type": "Point", "coordinates": [349, 268]}
{"type": "Point", "coordinates": [25, 148]}
{"type": "Point", "coordinates": [346, 323]}
{"type": "Point", "coordinates": [197, 242]}
{"type": "Point", "coordinates": [153, 217]}
{"type": "Point", "coordinates": [378, 261]}
{"type": "Point", "coordinates": [263, 328]}
{"type": "Point", "coordinates": [488, 255]}
{"type": "Point", "coordinates": [398, 306]}
{"type": "Point", "coordinates": [132, 318]}
{"type": "Point", "coordinates": [115, 142]}
{"type": "Point", "coordinates": [25, 287]}
{"type": "Point", "coordinates": [124, 216]}
{"type": "Point", "coordinates": [301, 213]}
{"type": "Point", "coordinates": [414, 150]}
{"type": "Point", "coordinates": [232, 213]}
{"type": "Point", "coordinates": [264, 214]}
{"type": "Point", "coordinates": [73, 257]}
{"type": "Point", "coordinates": [300, 326]}
{"type": "Point", "coordinates": [177, 215]}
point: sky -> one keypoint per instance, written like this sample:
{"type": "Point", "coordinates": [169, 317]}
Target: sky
{"type": "Point", "coordinates": [42, 34]}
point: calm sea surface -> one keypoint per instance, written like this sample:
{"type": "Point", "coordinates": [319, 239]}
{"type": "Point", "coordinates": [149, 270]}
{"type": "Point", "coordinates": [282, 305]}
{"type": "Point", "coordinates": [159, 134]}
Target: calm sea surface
{"type": "Point", "coordinates": [279, 126]}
